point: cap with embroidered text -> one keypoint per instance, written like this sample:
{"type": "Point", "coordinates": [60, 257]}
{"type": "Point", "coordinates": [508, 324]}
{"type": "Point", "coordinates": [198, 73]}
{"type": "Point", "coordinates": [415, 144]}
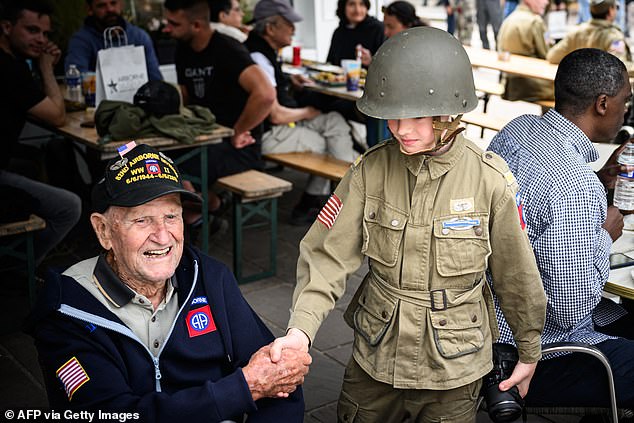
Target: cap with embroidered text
{"type": "Point", "coordinates": [141, 175]}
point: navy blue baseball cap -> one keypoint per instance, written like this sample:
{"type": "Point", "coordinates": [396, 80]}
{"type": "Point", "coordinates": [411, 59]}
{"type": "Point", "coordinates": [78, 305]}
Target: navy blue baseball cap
{"type": "Point", "coordinates": [140, 175]}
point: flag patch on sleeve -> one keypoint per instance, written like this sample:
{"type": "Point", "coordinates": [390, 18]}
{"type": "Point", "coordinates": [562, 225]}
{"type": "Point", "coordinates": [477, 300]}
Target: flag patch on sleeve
{"type": "Point", "coordinates": [72, 375]}
{"type": "Point", "coordinates": [330, 211]}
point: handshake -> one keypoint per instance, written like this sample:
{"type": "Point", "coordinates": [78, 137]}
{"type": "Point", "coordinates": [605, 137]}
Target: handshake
{"type": "Point", "coordinates": [275, 379]}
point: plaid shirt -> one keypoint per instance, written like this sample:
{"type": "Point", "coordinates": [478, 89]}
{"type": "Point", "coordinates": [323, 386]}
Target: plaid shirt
{"type": "Point", "coordinates": [564, 206]}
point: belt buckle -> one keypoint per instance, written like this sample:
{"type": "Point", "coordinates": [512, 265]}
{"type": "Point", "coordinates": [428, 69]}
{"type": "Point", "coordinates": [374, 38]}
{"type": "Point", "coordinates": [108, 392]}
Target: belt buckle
{"type": "Point", "coordinates": [438, 295]}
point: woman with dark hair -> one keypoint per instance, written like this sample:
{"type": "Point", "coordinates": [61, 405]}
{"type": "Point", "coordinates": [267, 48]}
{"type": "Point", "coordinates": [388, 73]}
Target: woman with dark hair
{"type": "Point", "coordinates": [355, 28]}
{"type": "Point", "coordinates": [399, 16]}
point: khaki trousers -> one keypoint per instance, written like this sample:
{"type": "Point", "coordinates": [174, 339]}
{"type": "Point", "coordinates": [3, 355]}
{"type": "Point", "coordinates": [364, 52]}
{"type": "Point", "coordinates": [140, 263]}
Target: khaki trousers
{"type": "Point", "coordinates": [366, 400]}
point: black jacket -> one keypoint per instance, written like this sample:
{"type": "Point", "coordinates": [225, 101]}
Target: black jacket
{"type": "Point", "coordinates": [193, 378]}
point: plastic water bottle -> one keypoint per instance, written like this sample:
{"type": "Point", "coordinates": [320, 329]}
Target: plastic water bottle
{"type": "Point", "coordinates": [624, 189]}
{"type": "Point", "coordinates": [73, 84]}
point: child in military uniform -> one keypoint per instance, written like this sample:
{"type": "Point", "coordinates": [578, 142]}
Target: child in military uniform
{"type": "Point", "coordinates": [432, 213]}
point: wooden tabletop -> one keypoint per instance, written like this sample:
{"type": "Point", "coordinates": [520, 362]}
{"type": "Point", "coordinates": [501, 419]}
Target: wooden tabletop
{"type": "Point", "coordinates": [516, 64]}
{"type": "Point", "coordinates": [340, 92]}
{"type": "Point", "coordinates": [621, 281]}
{"type": "Point", "coordinates": [72, 129]}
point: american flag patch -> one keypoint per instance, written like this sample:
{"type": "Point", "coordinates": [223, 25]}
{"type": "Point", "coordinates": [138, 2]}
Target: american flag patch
{"type": "Point", "coordinates": [330, 211]}
{"type": "Point", "coordinates": [122, 150]}
{"type": "Point", "coordinates": [72, 376]}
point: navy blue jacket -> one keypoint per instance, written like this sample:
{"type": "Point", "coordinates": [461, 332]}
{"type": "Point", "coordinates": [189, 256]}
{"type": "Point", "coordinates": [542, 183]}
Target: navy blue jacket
{"type": "Point", "coordinates": [193, 379]}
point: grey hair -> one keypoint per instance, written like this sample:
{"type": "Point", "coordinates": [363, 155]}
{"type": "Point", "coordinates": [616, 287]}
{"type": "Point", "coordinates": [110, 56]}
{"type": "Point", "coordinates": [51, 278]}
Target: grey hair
{"type": "Point", "coordinates": [260, 25]}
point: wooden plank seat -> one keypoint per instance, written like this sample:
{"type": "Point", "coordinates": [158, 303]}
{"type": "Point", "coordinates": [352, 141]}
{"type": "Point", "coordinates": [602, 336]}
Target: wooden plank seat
{"type": "Point", "coordinates": [312, 163]}
{"type": "Point", "coordinates": [491, 88]}
{"type": "Point", "coordinates": [254, 195]}
{"type": "Point", "coordinates": [22, 233]}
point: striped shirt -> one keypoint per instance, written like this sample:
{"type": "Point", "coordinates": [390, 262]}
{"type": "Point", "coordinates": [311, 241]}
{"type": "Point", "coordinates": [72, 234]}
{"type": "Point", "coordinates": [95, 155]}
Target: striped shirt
{"type": "Point", "coordinates": [565, 207]}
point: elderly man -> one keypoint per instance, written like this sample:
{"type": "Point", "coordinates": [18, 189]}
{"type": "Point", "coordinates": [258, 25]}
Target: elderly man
{"type": "Point", "coordinates": [85, 43]}
{"type": "Point", "coordinates": [291, 128]}
{"type": "Point", "coordinates": [600, 32]}
{"type": "Point", "coordinates": [571, 228]}
{"type": "Point", "coordinates": [153, 327]}
{"type": "Point", "coordinates": [523, 32]}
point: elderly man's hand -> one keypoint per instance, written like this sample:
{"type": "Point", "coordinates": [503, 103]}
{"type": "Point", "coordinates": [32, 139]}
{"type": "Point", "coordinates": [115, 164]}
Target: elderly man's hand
{"type": "Point", "coordinates": [268, 379]}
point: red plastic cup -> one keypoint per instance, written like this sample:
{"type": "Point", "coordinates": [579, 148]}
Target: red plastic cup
{"type": "Point", "coordinates": [297, 55]}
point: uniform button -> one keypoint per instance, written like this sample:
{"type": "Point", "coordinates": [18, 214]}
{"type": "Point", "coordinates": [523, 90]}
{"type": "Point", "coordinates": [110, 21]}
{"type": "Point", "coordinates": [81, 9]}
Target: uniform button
{"type": "Point", "coordinates": [478, 230]}
{"type": "Point", "coordinates": [153, 319]}
{"type": "Point", "coordinates": [445, 231]}
{"type": "Point", "coordinates": [394, 222]}
{"type": "Point", "coordinates": [443, 322]}
{"type": "Point", "coordinates": [384, 314]}
{"type": "Point", "coordinates": [345, 417]}
{"type": "Point", "coordinates": [488, 155]}
{"type": "Point", "coordinates": [372, 215]}
{"type": "Point", "coordinates": [474, 318]}
{"type": "Point", "coordinates": [141, 301]}
{"type": "Point", "coordinates": [156, 344]}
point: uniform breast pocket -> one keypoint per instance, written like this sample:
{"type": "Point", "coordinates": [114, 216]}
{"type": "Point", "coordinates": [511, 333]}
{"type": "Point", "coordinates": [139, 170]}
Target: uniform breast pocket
{"type": "Point", "coordinates": [383, 227]}
{"type": "Point", "coordinates": [462, 244]}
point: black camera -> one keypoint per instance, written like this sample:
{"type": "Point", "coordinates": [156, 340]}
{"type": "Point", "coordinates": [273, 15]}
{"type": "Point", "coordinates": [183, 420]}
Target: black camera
{"type": "Point", "coordinates": [502, 406]}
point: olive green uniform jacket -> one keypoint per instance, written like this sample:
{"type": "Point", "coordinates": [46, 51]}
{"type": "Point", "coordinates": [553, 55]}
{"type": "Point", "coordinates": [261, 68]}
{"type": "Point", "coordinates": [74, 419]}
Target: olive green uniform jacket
{"type": "Point", "coordinates": [596, 33]}
{"type": "Point", "coordinates": [430, 226]}
{"type": "Point", "coordinates": [522, 32]}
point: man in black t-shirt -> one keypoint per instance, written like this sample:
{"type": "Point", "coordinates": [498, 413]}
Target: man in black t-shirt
{"type": "Point", "coordinates": [25, 28]}
{"type": "Point", "coordinates": [216, 71]}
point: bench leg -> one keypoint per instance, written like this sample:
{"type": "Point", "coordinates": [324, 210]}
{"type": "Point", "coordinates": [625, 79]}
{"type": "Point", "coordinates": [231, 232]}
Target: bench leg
{"type": "Point", "coordinates": [242, 214]}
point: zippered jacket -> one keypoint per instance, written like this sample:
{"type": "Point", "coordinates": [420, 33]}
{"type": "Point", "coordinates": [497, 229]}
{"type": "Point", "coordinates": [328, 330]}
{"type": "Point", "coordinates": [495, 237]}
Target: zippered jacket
{"type": "Point", "coordinates": [192, 379]}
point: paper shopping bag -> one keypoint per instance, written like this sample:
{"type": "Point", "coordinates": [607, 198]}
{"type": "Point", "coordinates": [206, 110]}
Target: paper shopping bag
{"type": "Point", "coordinates": [120, 72]}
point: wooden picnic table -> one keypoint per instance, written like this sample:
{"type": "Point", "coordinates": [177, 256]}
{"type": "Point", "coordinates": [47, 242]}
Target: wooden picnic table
{"type": "Point", "coordinates": [88, 136]}
{"type": "Point", "coordinates": [529, 67]}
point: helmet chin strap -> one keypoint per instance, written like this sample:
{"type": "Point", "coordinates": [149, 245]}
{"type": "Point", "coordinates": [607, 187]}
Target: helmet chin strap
{"type": "Point", "coordinates": [444, 133]}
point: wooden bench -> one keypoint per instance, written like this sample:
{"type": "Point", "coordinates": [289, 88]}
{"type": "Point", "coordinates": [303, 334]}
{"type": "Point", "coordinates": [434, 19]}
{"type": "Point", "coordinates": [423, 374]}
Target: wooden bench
{"type": "Point", "coordinates": [484, 120]}
{"type": "Point", "coordinates": [22, 232]}
{"type": "Point", "coordinates": [254, 194]}
{"type": "Point", "coordinates": [312, 163]}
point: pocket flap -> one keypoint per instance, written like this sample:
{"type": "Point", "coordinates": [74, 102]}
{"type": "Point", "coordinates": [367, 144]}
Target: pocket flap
{"type": "Point", "coordinates": [464, 316]}
{"type": "Point", "coordinates": [374, 313]}
{"type": "Point", "coordinates": [379, 212]}
{"type": "Point", "coordinates": [471, 226]}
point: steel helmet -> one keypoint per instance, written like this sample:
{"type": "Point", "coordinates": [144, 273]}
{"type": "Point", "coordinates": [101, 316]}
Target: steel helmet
{"type": "Point", "coordinates": [422, 71]}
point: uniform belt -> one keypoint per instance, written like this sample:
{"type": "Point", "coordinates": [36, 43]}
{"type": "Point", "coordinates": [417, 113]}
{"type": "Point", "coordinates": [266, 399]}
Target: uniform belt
{"type": "Point", "coordinates": [437, 299]}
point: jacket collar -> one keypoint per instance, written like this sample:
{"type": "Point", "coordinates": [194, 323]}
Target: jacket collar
{"type": "Point", "coordinates": [577, 138]}
{"type": "Point", "coordinates": [114, 289]}
{"type": "Point", "coordinates": [437, 165]}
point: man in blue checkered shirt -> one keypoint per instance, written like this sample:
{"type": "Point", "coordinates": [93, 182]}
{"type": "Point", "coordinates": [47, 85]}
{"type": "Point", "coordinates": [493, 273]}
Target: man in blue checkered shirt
{"type": "Point", "coordinates": [571, 228]}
